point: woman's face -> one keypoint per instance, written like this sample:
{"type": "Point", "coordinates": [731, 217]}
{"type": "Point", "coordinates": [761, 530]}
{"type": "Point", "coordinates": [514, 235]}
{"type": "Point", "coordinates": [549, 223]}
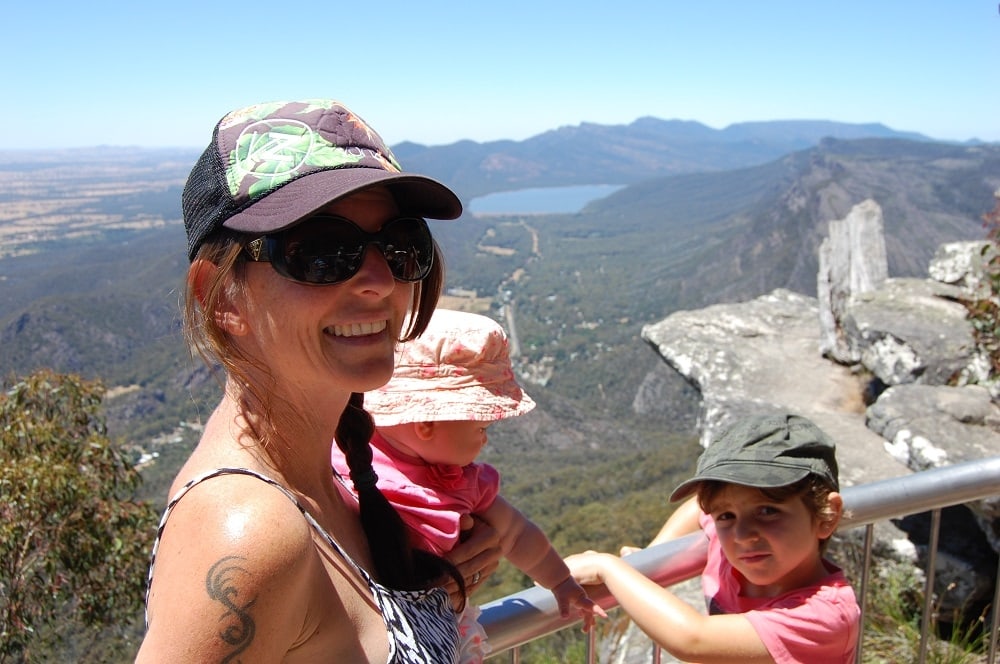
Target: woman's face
{"type": "Point", "coordinates": [332, 337]}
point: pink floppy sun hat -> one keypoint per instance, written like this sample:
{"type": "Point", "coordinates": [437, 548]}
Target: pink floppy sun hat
{"type": "Point", "coordinates": [458, 369]}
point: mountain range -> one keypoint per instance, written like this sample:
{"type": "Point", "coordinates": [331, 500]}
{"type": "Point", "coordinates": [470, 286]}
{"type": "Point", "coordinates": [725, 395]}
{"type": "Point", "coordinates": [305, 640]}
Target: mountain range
{"type": "Point", "coordinates": [92, 259]}
{"type": "Point", "coordinates": [623, 154]}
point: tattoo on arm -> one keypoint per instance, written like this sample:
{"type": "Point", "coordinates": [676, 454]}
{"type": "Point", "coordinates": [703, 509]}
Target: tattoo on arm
{"type": "Point", "coordinates": [237, 626]}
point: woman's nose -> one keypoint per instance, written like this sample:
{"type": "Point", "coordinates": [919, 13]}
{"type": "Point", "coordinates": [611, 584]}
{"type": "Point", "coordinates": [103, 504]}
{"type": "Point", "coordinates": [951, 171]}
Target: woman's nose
{"type": "Point", "coordinates": [374, 273]}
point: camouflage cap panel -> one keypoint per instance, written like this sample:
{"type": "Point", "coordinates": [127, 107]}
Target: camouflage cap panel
{"type": "Point", "coordinates": [766, 451]}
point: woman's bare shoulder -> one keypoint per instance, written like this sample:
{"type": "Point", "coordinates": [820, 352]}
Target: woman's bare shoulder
{"type": "Point", "coordinates": [235, 557]}
{"type": "Point", "coordinates": [238, 513]}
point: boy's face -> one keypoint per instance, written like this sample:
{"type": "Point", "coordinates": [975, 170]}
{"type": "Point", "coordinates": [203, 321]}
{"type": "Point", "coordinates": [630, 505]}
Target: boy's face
{"type": "Point", "coordinates": [774, 545]}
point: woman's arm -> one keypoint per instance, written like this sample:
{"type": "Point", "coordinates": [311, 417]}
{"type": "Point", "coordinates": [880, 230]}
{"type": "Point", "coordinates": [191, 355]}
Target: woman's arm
{"type": "Point", "coordinates": [230, 580]}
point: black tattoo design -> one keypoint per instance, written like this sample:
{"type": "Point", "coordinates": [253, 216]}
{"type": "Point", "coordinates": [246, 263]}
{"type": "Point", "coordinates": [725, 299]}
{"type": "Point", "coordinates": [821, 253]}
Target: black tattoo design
{"type": "Point", "coordinates": [238, 627]}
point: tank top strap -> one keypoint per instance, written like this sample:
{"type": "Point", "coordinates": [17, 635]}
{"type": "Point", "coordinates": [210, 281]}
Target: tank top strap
{"type": "Point", "coordinates": [193, 482]}
{"type": "Point", "coordinates": [421, 625]}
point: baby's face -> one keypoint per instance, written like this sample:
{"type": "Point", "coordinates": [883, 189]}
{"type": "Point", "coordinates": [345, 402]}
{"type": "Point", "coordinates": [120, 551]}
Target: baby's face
{"type": "Point", "coordinates": [456, 443]}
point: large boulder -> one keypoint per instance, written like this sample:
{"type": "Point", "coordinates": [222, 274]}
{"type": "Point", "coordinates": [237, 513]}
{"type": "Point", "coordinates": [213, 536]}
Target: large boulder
{"type": "Point", "coordinates": [911, 331]}
{"type": "Point", "coordinates": [763, 356]}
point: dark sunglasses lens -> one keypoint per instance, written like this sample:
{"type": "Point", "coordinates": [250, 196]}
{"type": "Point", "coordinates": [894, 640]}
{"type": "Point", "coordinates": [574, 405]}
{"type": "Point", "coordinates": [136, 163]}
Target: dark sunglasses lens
{"type": "Point", "coordinates": [321, 252]}
{"type": "Point", "coordinates": [328, 250]}
{"type": "Point", "coordinates": [408, 248]}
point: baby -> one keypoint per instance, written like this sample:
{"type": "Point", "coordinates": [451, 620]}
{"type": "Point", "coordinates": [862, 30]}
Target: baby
{"type": "Point", "coordinates": [431, 422]}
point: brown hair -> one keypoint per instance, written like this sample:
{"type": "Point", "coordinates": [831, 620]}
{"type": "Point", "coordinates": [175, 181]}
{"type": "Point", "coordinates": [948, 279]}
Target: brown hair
{"type": "Point", "coordinates": [397, 563]}
{"type": "Point", "coordinates": [812, 490]}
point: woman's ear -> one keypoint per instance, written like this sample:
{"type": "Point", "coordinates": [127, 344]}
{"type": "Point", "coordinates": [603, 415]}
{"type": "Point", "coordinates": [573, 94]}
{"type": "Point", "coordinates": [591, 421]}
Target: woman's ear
{"type": "Point", "coordinates": [830, 518]}
{"type": "Point", "coordinates": [203, 281]}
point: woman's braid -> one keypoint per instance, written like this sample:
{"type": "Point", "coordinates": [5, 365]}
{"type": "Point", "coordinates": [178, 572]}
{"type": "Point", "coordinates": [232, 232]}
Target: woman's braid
{"type": "Point", "coordinates": [397, 563]}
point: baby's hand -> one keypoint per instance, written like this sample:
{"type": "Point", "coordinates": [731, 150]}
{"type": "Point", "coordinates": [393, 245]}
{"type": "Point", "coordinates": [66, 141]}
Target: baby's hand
{"type": "Point", "coordinates": [570, 595]}
{"type": "Point", "coordinates": [627, 549]}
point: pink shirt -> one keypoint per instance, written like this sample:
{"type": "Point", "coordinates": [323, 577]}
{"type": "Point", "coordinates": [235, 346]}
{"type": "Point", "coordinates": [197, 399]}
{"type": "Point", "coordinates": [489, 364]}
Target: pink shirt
{"type": "Point", "coordinates": [815, 624]}
{"type": "Point", "coordinates": [430, 498]}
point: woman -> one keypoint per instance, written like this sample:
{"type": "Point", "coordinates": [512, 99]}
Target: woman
{"type": "Point", "coordinates": [309, 261]}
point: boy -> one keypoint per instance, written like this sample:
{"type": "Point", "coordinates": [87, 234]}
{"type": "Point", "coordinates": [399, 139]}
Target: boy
{"type": "Point", "coordinates": [766, 497]}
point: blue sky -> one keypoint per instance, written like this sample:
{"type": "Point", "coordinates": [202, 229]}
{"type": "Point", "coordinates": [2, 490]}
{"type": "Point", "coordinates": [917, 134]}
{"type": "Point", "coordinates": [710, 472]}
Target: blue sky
{"type": "Point", "coordinates": [161, 73]}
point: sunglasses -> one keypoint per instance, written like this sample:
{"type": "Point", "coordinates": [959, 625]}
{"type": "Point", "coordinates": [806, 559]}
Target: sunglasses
{"type": "Point", "coordinates": [327, 249]}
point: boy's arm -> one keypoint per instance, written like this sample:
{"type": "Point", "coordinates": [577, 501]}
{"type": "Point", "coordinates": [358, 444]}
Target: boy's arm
{"type": "Point", "coordinates": [672, 623]}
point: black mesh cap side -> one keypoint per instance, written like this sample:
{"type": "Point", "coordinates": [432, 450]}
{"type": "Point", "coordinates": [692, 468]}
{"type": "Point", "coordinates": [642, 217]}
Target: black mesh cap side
{"type": "Point", "coordinates": [205, 201]}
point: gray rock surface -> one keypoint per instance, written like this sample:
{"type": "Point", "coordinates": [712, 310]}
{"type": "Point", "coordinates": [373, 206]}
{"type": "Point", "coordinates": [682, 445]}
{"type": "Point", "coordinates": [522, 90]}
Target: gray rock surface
{"type": "Point", "coordinates": [910, 331]}
{"type": "Point", "coordinates": [932, 426]}
{"type": "Point", "coordinates": [763, 356]}
{"type": "Point", "coordinates": [962, 264]}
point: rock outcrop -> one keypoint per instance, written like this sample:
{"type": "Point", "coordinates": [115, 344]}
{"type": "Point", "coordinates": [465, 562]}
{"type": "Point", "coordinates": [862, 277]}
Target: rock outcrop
{"type": "Point", "coordinates": [852, 261]}
{"type": "Point", "coordinates": [830, 358]}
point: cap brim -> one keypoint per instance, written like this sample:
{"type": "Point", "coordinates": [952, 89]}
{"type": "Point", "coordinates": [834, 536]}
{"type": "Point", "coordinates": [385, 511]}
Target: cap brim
{"type": "Point", "coordinates": [685, 489]}
{"type": "Point", "coordinates": [416, 195]}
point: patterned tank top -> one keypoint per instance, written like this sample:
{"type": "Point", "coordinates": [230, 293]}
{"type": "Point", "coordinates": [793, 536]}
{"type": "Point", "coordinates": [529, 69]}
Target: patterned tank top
{"type": "Point", "coordinates": [421, 624]}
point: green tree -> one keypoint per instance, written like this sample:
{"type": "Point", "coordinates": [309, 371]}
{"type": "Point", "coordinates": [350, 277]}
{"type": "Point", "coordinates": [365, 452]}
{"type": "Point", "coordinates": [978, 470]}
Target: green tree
{"type": "Point", "coordinates": [74, 542]}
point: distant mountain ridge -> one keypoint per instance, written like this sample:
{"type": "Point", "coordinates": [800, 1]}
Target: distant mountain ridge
{"type": "Point", "coordinates": [623, 154]}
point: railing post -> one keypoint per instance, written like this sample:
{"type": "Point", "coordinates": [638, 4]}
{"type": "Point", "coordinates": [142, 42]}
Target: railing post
{"type": "Point", "coordinates": [925, 619]}
{"type": "Point", "coordinates": [994, 634]}
{"type": "Point", "coordinates": [863, 590]}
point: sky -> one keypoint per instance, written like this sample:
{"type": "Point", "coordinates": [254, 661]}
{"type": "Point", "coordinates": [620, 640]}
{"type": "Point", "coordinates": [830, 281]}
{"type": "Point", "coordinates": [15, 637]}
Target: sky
{"type": "Point", "coordinates": [161, 73]}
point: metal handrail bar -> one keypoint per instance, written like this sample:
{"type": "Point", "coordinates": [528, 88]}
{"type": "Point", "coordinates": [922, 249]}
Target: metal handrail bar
{"type": "Point", "coordinates": [862, 589]}
{"type": "Point", "coordinates": [921, 492]}
{"type": "Point", "coordinates": [532, 613]}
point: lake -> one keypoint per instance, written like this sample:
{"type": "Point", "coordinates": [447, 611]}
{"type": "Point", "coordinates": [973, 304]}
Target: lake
{"type": "Point", "coordinates": [541, 200]}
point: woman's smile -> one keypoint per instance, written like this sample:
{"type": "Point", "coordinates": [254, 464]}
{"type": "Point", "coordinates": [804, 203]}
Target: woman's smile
{"type": "Point", "coordinates": [358, 329]}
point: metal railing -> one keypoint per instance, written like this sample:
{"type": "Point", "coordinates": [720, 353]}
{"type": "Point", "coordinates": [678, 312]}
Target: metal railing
{"type": "Point", "coordinates": [517, 619]}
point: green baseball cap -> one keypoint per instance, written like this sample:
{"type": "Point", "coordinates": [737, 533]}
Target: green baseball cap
{"type": "Point", "coordinates": [273, 164]}
{"type": "Point", "coordinates": [766, 451]}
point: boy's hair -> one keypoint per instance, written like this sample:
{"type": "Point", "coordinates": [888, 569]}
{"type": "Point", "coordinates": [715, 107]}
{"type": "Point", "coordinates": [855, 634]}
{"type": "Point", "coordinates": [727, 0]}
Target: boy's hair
{"type": "Point", "coordinates": [813, 490]}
